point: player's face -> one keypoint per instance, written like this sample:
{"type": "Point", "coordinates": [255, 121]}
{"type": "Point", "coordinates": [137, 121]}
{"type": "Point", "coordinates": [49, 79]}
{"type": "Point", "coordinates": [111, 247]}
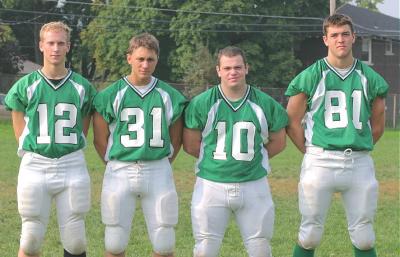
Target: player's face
{"type": "Point", "coordinates": [339, 40]}
{"type": "Point", "coordinates": [232, 71]}
{"type": "Point", "coordinates": [54, 45]}
{"type": "Point", "coordinates": [143, 62]}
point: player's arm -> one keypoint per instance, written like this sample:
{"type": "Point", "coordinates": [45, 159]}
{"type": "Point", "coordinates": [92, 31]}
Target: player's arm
{"type": "Point", "coordinates": [276, 142]}
{"type": "Point", "coordinates": [192, 141]}
{"type": "Point", "coordinates": [86, 124]}
{"type": "Point", "coordinates": [296, 109]}
{"type": "Point", "coordinates": [18, 123]}
{"type": "Point", "coordinates": [101, 134]}
{"type": "Point", "coordinates": [175, 133]}
{"type": "Point", "coordinates": [377, 119]}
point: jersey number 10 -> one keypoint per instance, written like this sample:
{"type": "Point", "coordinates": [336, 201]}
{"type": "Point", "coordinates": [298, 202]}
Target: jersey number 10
{"type": "Point", "coordinates": [237, 128]}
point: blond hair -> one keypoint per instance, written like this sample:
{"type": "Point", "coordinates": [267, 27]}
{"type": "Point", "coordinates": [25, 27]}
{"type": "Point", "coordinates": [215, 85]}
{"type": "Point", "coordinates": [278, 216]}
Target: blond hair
{"type": "Point", "coordinates": [55, 25]}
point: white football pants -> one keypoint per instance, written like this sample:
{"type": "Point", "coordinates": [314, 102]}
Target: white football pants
{"type": "Point", "coordinates": [66, 180]}
{"type": "Point", "coordinates": [151, 182]}
{"type": "Point", "coordinates": [250, 203]}
{"type": "Point", "coordinates": [352, 174]}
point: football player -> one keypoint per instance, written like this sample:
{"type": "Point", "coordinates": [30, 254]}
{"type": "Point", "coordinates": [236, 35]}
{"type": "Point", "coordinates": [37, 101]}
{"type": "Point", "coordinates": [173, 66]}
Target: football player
{"type": "Point", "coordinates": [342, 103]}
{"type": "Point", "coordinates": [233, 129]}
{"type": "Point", "coordinates": [51, 111]}
{"type": "Point", "coordinates": [138, 132]}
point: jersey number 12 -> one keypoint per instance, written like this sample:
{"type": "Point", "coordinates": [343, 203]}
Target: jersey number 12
{"type": "Point", "coordinates": [59, 125]}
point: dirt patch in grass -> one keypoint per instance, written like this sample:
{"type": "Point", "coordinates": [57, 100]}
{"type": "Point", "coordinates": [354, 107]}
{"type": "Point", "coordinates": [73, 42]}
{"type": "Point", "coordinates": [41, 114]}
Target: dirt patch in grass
{"type": "Point", "coordinates": [389, 188]}
{"type": "Point", "coordinates": [283, 187]}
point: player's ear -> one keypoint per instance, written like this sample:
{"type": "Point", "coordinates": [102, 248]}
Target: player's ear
{"type": "Point", "coordinates": [41, 46]}
{"type": "Point", "coordinates": [217, 68]}
{"type": "Point", "coordinates": [246, 66]}
{"type": "Point", "coordinates": [68, 46]}
{"type": "Point", "coordinates": [325, 39]}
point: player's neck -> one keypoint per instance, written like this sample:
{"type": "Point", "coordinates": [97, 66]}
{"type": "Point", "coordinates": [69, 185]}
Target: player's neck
{"type": "Point", "coordinates": [234, 93]}
{"type": "Point", "coordinates": [341, 63]}
{"type": "Point", "coordinates": [54, 71]}
{"type": "Point", "coordinates": [138, 82]}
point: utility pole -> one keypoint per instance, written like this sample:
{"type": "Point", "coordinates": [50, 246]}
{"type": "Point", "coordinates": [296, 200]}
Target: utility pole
{"type": "Point", "coordinates": [332, 6]}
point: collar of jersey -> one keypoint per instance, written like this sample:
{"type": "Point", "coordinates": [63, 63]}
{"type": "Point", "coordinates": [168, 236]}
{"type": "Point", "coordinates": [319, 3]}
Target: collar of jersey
{"type": "Point", "coordinates": [229, 102]}
{"type": "Point", "coordinates": [62, 82]}
{"type": "Point", "coordinates": [153, 83]}
{"type": "Point", "coordinates": [337, 73]}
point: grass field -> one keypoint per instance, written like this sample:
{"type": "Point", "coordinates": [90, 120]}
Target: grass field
{"type": "Point", "coordinates": [283, 181]}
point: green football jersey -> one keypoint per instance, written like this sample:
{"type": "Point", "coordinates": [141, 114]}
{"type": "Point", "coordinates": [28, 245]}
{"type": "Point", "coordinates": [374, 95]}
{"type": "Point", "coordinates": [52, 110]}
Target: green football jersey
{"type": "Point", "coordinates": [338, 106]}
{"type": "Point", "coordinates": [139, 121]}
{"type": "Point", "coordinates": [53, 113]}
{"type": "Point", "coordinates": [234, 133]}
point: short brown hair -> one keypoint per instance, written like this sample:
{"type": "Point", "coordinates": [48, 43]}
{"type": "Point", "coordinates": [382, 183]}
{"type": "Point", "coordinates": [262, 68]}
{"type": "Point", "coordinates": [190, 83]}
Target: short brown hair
{"type": "Point", "coordinates": [55, 25]}
{"type": "Point", "coordinates": [337, 19]}
{"type": "Point", "coordinates": [146, 40]}
{"type": "Point", "coordinates": [231, 51]}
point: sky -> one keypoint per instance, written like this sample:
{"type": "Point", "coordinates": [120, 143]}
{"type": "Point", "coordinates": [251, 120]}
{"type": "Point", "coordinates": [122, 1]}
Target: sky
{"type": "Point", "coordinates": [390, 7]}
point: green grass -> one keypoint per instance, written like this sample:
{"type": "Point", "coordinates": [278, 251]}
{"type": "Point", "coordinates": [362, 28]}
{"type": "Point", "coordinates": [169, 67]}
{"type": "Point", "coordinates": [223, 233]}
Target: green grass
{"type": "Point", "coordinates": [283, 180]}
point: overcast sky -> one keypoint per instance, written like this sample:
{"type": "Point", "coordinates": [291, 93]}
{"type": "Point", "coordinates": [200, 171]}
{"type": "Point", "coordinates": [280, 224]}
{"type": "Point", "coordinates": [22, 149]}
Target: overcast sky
{"type": "Point", "coordinates": [390, 7]}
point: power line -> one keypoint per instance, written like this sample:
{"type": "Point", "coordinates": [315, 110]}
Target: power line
{"type": "Point", "coordinates": [117, 28]}
{"type": "Point", "coordinates": [136, 21]}
{"type": "Point", "coordinates": [155, 20]}
{"type": "Point", "coordinates": [190, 11]}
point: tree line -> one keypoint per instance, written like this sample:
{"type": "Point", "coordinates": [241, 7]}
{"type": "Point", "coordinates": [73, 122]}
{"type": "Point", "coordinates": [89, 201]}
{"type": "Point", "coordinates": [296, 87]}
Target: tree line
{"type": "Point", "coordinates": [190, 33]}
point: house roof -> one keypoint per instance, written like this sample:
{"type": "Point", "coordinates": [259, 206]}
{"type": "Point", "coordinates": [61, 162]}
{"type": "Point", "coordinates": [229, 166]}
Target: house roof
{"type": "Point", "coordinates": [371, 23]}
{"type": "Point", "coordinates": [29, 66]}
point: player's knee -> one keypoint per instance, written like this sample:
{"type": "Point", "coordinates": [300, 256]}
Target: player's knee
{"type": "Point", "coordinates": [258, 247]}
{"type": "Point", "coordinates": [164, 240]}
{"type": "Point", "coordinates": [167, 209]}
{"type": "Point", "coordinates": [73, 236]}
{"type": "Point", "coordinates": [116, 239]}
{"type": "Point", "coordinates": [206, 248]}
{"type": "Point", "coordinates": [31, 237]}
{"type": "Point", "coordinates": [363, 239]}
{"type": "Point", "coordinates": [312, 238]}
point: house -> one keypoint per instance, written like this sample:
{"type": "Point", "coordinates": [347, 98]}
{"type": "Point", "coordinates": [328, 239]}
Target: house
{"type": "Point", "coordinates": [7, 80]}
{"type": "Point", "coordinates": [377, 44]}
{"type": "Point", "coordinates": [29, 67]}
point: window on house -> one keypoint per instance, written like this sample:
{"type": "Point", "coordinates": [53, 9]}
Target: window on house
{"type": "Point", "coordinates": [388, 47]}
{"type": "Point", "coordinates": [366, 50]}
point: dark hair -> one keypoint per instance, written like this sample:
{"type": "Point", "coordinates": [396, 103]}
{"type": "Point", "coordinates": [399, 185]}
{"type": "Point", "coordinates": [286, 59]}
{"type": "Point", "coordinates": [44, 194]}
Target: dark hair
{"type": "Point", "coordinates": [337, 20]}
{"type": "Point", "coordinates": [231, 51]}
{"type": "Point", "coordinates": [144, 40]}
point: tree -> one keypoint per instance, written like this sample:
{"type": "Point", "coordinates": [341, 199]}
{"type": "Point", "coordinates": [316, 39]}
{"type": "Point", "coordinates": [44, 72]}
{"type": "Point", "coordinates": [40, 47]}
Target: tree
{"type": "Point", "coordinates": [259, 32]}
{"type": "Point", "coordinates": [107, 36]}
{"type": "Point", "coordinates": [27, 16]}
{"type": "Point", "coordinates": [200, 76]}
{"type": "Point", "coordinates": [369, 4]}
{"type": "Point", "coordinates": [9, 60]}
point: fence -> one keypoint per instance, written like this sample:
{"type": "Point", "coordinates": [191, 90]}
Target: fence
{"type": "Point", "coordinates": [392, 110]}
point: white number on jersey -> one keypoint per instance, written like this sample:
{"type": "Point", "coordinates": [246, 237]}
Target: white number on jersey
{"type": "Point", "coordinates": [341, 109]}
{"type": "Point", "coordinates": [220, 153]}
{"type": "Point", "coordinates": [59, 125]}
{"type": "Point", "coordinates": [137, 127]}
